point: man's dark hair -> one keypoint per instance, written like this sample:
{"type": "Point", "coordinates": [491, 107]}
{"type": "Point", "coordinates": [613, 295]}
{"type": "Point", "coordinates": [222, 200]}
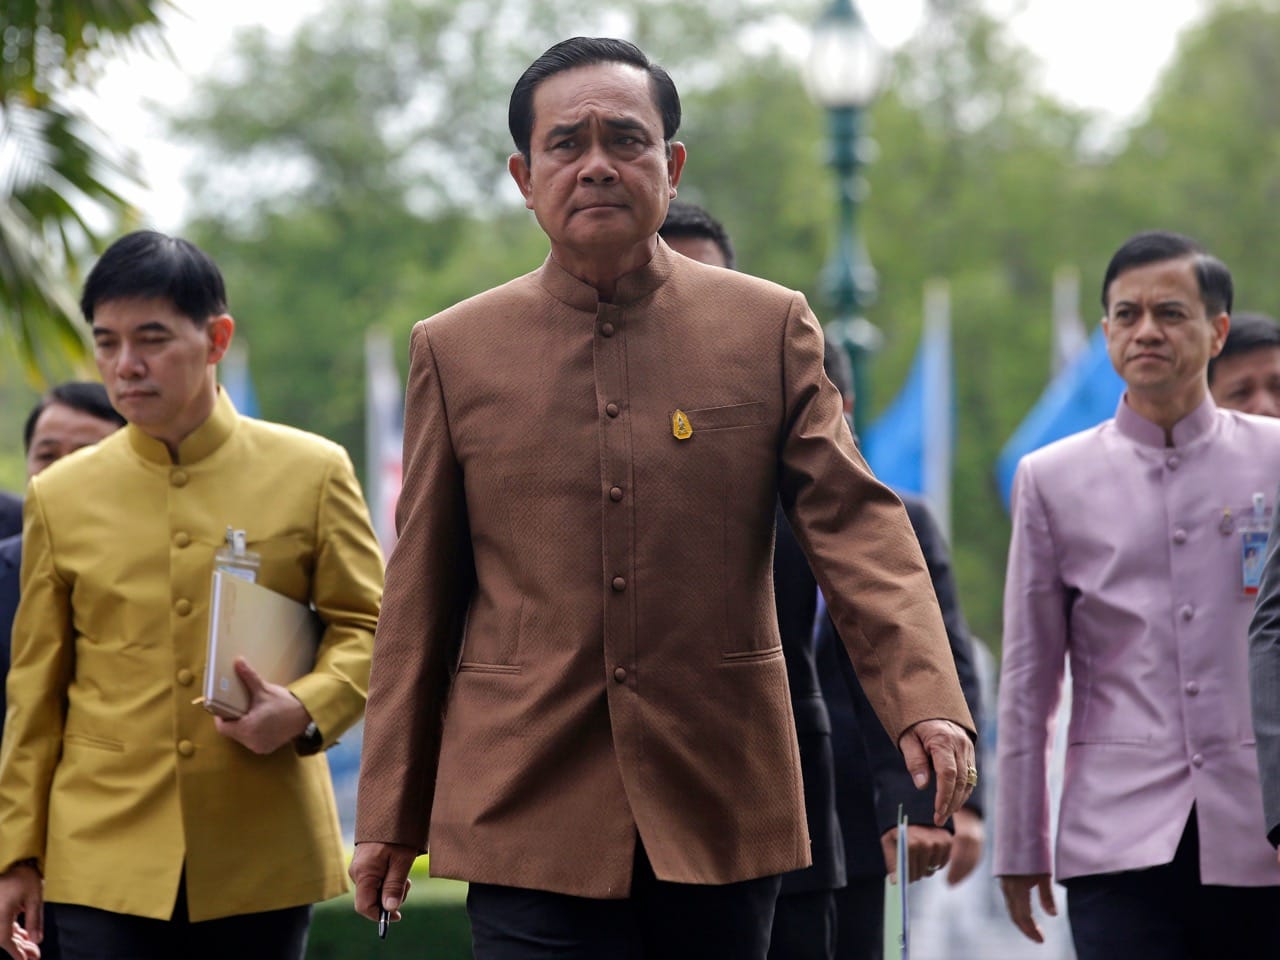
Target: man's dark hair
{"type": "Point", "coordinates": [690, 220]}
{"type": "Point", "coordinates": [586, 52]}
{"type": "Point", "coordinates": [1249, 332]}
{"type": "Point", "coordinates": [148, 264]}
{"type": "Point", "coordinates": [1157, 246]}
{"type": "Point", "coordinates": [83, 395]}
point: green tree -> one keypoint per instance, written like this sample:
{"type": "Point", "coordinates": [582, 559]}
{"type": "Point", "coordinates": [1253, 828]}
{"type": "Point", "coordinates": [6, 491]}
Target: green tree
{"type": "Point", "coordinates": [56, 169]}
{"type": "Point", "coordinates": [1206, 158]}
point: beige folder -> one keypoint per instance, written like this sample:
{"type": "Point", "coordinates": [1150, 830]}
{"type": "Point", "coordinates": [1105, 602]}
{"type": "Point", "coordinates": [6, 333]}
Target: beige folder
{"type": "Point", "coordinates": [276, 635]}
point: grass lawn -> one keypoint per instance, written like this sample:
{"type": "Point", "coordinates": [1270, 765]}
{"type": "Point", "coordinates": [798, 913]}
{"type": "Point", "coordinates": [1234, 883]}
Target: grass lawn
{"type": "Point", "coordinates": [435, 925]}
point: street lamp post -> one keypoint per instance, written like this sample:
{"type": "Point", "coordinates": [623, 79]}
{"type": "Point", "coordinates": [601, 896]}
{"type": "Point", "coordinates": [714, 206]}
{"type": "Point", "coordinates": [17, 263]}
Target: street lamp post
{"type": "Point", "coordinates": [843, 73]}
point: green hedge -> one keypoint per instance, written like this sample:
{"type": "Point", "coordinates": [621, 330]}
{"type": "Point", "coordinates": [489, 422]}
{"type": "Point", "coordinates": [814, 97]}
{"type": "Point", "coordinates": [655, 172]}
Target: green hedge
{"type": "Point", "coordinates": [435, 925]}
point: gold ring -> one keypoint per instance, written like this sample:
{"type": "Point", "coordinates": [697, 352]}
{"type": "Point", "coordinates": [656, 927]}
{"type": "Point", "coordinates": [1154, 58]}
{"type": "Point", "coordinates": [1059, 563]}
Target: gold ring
{"type": "Point", "coordinates": [971, 776]}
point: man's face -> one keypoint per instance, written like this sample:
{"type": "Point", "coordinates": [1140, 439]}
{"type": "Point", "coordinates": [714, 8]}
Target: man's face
{"type": "Point", "coordinates": [157, 364]}
{"type": "Point", "coordinates": [702, 249]}
{"type": "Point", "coordinates": [61, 429]}
{"type": "Point", "coordinates": [598, 178]}
{"type": "Point", "coordinates": [1159, 334]}
{"type": "Point", "coordinates": [1249, 382]}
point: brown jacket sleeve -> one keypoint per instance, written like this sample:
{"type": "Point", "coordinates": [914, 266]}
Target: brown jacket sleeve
{"type": "Point", "coordinates": [430, 578]}
{"type": "Point", "coordinates": [861, 546]}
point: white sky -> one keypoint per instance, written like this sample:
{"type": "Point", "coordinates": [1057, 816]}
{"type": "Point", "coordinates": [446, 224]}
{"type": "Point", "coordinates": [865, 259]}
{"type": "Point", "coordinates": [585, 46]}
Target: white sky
{"type": "Point", "coordinates": [1101, 54]}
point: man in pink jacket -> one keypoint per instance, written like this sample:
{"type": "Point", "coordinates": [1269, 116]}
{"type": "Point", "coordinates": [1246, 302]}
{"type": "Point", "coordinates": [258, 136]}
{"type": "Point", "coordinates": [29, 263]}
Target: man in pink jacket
{"type": "Point", "coordinates": [1129, 557]}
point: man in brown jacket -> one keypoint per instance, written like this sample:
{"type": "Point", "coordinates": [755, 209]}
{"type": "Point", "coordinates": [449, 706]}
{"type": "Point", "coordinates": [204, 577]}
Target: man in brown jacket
{"type": "Point", "coordinates": [579, 702]}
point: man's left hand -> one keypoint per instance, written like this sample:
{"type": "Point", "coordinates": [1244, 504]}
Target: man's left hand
{"type": "Point", "coordinates": [946, 748]}
{"type": "Point", "coordinates": [928, 849]}
{"type": "Point", "coordinates": [275, 716]}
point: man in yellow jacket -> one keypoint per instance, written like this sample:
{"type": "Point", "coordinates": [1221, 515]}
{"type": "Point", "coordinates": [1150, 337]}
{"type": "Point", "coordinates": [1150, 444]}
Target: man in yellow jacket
{"type": "Point", "coordinates": [158, 830]}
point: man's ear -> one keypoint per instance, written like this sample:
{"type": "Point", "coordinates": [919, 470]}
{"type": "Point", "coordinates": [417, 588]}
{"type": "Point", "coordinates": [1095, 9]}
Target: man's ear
{"type": "Point", "coordinates": [520, 173]}
{"type": "Point", "coordinates": [1221, 326]}
{"type": "Point", "coordinates": [675, 164]}
{"type": "Point", "coordinates": [220, 330]}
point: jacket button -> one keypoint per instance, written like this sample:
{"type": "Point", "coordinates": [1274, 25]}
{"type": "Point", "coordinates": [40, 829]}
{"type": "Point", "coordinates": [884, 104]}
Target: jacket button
{"type": "Point", "coordinates": [619, 584]}
{"type": "Point", "coordinates": [615, 494]}
{"type": "Point", "coordinates": [182, 607]}
{"type": "Point", "coordinates": [178, 478]}
{"type": "Point", "coordinates": [1179, 536]}
{"type": "Point", "coordinates": [185, 677]}
{"type": "Point", "coordinates": [612, 409]}
{"type": "Point", "coordinates": [1173, 461]}
{"type": "Point", "coordinates": [606, 329]}
{"type": "Point", "coordinates": [186, 748]}
{"type": "Point", "coordinates": [182, 539]}
{"type": "Point", "coordinates": [620, 674]}
{"type": "Point", "coordinates": [1186, 612]}
{"type": "Point", "coordinates": [1197, 760]}
{"type": "Point", "coordinates": [1192, 688]}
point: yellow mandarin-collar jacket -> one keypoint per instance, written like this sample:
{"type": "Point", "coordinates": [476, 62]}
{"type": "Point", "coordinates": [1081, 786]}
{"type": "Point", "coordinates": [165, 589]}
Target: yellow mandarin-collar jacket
{"type": "Point", "coordinates": [579, 642]}
{"type": "Point", "coordinates": [108, 773]}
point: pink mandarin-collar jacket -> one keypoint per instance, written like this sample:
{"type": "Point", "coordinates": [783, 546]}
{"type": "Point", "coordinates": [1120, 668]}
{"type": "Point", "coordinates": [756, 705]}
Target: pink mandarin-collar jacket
{"type": "Point", "coordinates": [1126, 561]}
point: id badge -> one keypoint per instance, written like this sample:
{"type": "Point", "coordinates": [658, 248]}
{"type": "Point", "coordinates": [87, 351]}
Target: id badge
{"type": "Point", "coordinates": [235, 559]}
{"type": "Point", "coordinates": [1253, 555]}
{"type": "Point", "coordinates": [1253, 547]}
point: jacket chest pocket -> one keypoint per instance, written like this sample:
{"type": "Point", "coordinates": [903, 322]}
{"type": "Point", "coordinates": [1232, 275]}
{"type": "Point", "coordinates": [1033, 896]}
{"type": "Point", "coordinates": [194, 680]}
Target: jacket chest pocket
{"type": "Point", "coordinates": [703, 419]}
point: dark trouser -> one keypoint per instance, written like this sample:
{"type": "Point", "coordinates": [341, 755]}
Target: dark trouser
{"type": "Point", "coordinates": [804, 926]}
{"type": "Point", "coordinates": [860, 919]}
{"type": "Point", "coordinates": [659, 921]}
{"type": "Point", "coordinates": [86, 933]}
{"type": "Point", "coordinates": [1165, 913]}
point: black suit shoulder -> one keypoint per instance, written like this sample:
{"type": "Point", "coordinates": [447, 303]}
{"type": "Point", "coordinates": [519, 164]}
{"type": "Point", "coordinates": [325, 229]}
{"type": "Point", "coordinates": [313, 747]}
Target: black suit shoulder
{"type": "Point", "coordinates": [10, 514]}
{"type": "Point", "coordinates": [10, 569]}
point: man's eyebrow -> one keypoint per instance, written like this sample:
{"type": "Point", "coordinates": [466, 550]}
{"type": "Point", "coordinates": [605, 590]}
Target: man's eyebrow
{"type": "Point", "coordinates": [564, 130]}
{"type": "Point", "coordinates": [624, 123]}
{"type": "Point", "coordinates": [615, 123]}
{"type": "Point", "coordinates": [153, 326]}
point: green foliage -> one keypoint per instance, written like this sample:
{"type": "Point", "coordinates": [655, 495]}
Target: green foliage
{"type": "Point", "coordinates": [56, 169]}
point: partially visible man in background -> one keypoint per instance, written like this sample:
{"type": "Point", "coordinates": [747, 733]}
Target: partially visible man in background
{"type": "Point", "coordinates": [10, 514]}
{"type": "Point", "coordinates": [804, 919]}
{"type": "Point", "coordinates": [1245, 376]}
{"type": "Point", "coordinates": [69, 416]}
{"type": "Point", "coordinates": [852, 771]}
{"type": "Point", "coordinates": [871, 781]}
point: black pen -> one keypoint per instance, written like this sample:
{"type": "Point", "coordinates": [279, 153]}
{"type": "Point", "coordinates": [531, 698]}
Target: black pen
{"type": "Point", "coordinates": [384, 921]}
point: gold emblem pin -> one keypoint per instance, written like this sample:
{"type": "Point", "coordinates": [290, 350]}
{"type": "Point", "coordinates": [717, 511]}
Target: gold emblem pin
{"type": "Point", "coordinates": [681, 428]}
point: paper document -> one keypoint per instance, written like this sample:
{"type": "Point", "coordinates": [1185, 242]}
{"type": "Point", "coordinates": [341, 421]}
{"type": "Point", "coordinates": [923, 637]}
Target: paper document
{"type": "Point", "coordinates": [276, 635]}
{"type": "Point", "coordinates": [897, 923]}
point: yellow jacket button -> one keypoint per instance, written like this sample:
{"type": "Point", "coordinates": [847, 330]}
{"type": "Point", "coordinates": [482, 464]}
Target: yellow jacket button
{"type": "Point", "coordinates": [185, 677]}
{"type": "Point", "coordinates": [182, 607]}
{"type": "Point", "coordinates": [182, 539]}
{"type": "Point", "coordinates": [186, 748]}
{"type": "Point", "coordinates": [178, 478]}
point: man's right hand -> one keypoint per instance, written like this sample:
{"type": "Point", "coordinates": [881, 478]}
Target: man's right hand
{"type": "Point", "coordinates": [21, 894]}
{"type": "Point", "coordinates": [380, 872]}
{"type": "Point", "coordinates": [928, 849]}
{"type": "Point", "coordinates": [1017, 899]}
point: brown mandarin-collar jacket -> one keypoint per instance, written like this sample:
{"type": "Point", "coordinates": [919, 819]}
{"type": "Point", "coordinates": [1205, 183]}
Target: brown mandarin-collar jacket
{"type": "Point", "coordinates": [578, 639]}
